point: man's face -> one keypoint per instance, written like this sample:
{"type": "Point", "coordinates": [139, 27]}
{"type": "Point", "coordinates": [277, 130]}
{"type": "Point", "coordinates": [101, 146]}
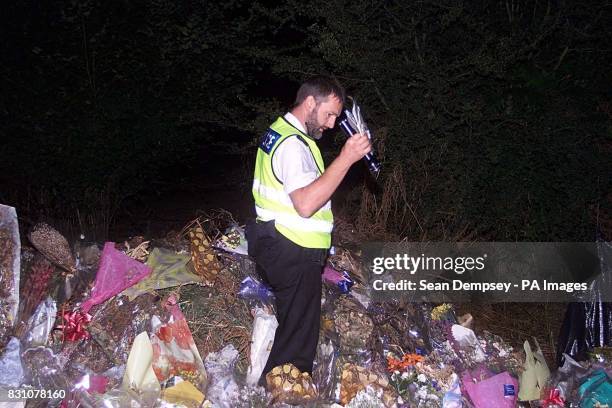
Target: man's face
{"type": "Point", "coordinates": [323, 116]}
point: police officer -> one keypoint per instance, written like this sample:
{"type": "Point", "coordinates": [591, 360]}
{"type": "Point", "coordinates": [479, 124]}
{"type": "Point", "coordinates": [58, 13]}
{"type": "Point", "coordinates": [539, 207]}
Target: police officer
{"type": "Point", "coordinates": [292, 191]}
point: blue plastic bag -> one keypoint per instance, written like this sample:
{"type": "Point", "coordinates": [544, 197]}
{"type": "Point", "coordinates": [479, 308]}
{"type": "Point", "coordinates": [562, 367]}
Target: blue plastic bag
{"type": "Point", "coordinates": [253, 290]}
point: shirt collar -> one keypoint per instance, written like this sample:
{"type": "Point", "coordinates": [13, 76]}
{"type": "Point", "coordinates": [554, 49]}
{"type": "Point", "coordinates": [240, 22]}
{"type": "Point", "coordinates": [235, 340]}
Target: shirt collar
{"type": "Point", "coordinates": [290, 117]}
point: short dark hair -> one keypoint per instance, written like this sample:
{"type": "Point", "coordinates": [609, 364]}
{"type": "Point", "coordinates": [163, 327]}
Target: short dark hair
{"type": "Point", "coordinates": [320, 87]}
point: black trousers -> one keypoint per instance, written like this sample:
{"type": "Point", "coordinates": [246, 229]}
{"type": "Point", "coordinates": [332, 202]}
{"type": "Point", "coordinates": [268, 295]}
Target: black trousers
{"type": "Point", "coordinates": [294, 274]}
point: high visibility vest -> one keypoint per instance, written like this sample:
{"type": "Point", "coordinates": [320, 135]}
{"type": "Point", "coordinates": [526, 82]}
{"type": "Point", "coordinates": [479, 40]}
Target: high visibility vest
{"type": "Point", "coordinates": [273, 203]}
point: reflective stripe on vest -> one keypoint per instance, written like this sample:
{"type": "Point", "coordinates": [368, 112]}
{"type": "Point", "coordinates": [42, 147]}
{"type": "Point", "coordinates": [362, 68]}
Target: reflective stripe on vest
{"type": "Point", "coordinates": [294, 222]}
{"type": "Point", "coordinates": [273, 203]}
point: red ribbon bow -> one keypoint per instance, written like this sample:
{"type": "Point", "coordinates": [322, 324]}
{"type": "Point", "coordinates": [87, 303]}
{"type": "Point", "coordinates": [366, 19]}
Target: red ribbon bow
{"type": "Point", "coordinates": [554, 399]}
{"type": "Point", "coordinates": [74, 327]}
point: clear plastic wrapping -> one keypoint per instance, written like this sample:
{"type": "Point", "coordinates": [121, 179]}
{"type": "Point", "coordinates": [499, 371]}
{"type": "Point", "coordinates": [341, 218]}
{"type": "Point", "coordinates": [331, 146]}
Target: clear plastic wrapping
{"type": "Point", "coordinates": [453, 398]}
{"type": "Point", "coordinates": [175, 352]}
{"type": "Point", "coordinates": [355, 378]}
{"type": "Point", "coordinates": [10, 365]}
{"type": "Point", "coordinates": [264, 328]}
{"type": "Point", "coordinates": [563, 383]}
{"type": "Point", "coordinates": [367, 397]}
{"type": "Point", "coordinates": [40, 324]}
{"type": "Point", "coordinates": [35, 287]}
{"type": "Point", "coordinates": [467, 346]}
{"type": "Point", "coordinates": [43, 370]}
{"type": "Point", "coordinates": [324, 373]}
{"type": "Point", "coordinates": [289, 385]}
{"type": "Point", "coordinates": [85, 391]}
{"type": "Point", "coordinates": [10, 259]}
{"type": "Point", "coordinates": [353, 324]}
{"type": "Point", "coordinates": [233, 240]}
{"type": "Point", "coordinates": [222, 388]}
{"type": "Point", "coordinates": [116, 323]}
{"type": "Point", "coordinates": [139, 380]}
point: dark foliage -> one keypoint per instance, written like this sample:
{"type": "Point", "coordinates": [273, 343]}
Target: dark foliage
{"type": "Point", "coordinates": [497, 114]}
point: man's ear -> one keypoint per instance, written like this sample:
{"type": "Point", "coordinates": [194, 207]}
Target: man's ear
{"type": "Point", "coordinates": [310, 102]}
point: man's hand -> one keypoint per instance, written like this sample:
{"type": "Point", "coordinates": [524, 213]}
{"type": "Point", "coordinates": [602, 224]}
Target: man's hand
{"type": "Point", "coordinates": [307, 200]}
{"type": "Point", "coordinates": [355, 148]}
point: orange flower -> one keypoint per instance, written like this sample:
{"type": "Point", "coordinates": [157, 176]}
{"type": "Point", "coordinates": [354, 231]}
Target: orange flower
{"type": "Point", "coordinates": [412, 359]}
{"type": "Point", "coordinates": [408, 360]}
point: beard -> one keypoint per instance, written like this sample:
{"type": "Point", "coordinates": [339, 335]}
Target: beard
{"type": "Point", "coordinates": [313, 129]}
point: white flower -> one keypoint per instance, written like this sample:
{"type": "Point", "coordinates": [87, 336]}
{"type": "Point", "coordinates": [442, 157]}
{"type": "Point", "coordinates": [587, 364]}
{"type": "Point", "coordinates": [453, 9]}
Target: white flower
{"type": "Point", "coordinates": [422, 393]}
{"type": "Point", "coordinates": [396, 372]}
{"type": "Point", "coordinates": [433, 397]}
{"type": "Point", "coordinates": [422, 378]}
{"type": "Point", "coordinates": [405, 375]}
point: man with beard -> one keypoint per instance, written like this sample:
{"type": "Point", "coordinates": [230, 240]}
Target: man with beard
{"type": "Point", "coordinates": [292, 234]}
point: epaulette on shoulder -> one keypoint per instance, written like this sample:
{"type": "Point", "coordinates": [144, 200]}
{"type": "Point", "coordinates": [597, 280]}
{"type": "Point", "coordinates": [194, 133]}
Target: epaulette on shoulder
{"type": "Point", "coordinates": [301, 139]}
